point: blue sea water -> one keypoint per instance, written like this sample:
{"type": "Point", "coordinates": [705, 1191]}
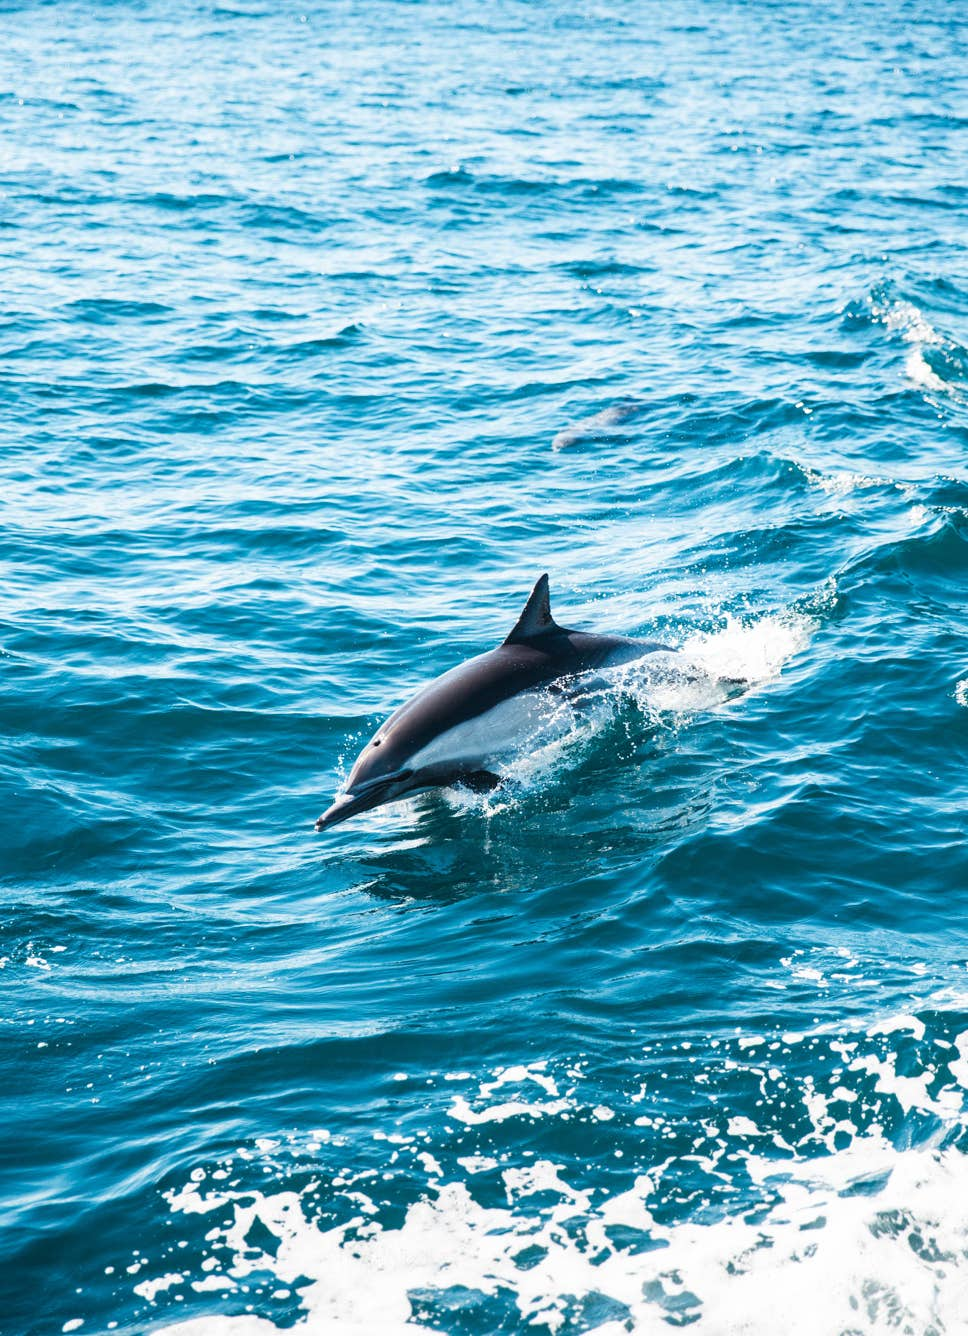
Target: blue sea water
{"type": "Point", "coordinates": [325, 330]}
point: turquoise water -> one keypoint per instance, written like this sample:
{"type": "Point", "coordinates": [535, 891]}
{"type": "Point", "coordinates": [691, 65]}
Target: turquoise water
{"type": "Point", "coordinates": [325, 331]}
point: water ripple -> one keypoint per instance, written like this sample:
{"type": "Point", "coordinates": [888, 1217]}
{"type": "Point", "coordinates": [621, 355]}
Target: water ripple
{"type": "Point", "coordinates": [324, 333]}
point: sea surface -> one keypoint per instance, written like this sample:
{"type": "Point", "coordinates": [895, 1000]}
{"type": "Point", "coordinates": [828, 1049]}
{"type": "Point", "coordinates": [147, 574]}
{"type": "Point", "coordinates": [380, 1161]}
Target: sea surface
{"type": "Point", "coordinates": [325, 330]}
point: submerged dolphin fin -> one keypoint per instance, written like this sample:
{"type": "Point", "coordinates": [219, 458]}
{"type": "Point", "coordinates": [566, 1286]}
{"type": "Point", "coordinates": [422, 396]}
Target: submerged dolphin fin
{"type": "Point", "coordinates": [536, 618]}
{"type": "Point", "coordinates": [480, 781]}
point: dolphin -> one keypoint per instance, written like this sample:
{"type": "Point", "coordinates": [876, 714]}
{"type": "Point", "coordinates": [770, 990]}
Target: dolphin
{"type": "Point", "coordinates": [454, 731]}
{"type": "Point", "coordinates": [600, 427]}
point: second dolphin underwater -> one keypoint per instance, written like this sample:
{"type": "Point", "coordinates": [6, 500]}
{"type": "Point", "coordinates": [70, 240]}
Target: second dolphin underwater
{"type": "Point", "coordinates": [453, 731]}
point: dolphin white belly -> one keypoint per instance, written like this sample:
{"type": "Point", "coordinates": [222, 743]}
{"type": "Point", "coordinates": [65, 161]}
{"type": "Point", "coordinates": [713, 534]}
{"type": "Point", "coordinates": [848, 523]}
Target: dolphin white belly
{"type": "Point", "coordinates": [522, 720]}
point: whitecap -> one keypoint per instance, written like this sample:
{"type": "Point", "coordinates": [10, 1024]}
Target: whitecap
{"type": "Point", "coordinates": [844, 1231]}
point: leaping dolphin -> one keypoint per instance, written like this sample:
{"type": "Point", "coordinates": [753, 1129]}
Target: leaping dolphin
{"type": "Point", "coordinates": [454, 730]}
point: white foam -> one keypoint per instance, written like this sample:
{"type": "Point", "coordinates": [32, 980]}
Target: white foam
{"type": "Point", "coordinates": [535, 1072]}
{"type": "Point", "coordinates": [841, 1232]}
{"type": "Point", "coordinates": [920, 373]}
{"type": "Point", "coordinates": [904, 318]}
{"type": "Point", "coordinates": [843, 482]}
{"type": "Point", "coordinates": [34, 959]}
{"type": "Point", "coordinates": [824, 1257]}
{"type": "Point", "coordinates": [462, 1111]}
{"type": "Point", "coordinates": [709, 665]}
{"type": "Point", "coordinates": [150, 1289]}
{"type": "Point", "coordinates": [894, 1024]}
{"type": "Point", "coordinates": [755, 650]}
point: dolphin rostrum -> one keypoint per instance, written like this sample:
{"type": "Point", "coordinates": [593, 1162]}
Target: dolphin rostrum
{"type": "Point", "coordinates": [455, 729]}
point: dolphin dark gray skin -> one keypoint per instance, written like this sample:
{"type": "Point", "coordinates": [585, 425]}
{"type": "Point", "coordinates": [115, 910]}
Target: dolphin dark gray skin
{"type": "Point", "coordinates": [456, 729]}
{"type": "Point", "coordinates": [601, 426]}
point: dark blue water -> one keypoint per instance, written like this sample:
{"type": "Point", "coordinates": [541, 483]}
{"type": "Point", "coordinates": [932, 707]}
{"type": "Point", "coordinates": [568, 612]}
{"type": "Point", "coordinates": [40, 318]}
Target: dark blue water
{"type": "Point", "coordinates": [325, 331]}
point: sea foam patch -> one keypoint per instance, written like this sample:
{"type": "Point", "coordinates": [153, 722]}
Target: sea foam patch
{"type": "Point", "coordinates": [809, 1182]}
{"type": "Point", "coordinates": [935, 361]}
{"type": "Point", "coordinates": [709, 667]}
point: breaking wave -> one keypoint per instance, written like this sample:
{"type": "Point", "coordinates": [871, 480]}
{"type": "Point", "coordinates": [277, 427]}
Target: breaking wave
{"type": "Point", "coordinates": [836, 1206]}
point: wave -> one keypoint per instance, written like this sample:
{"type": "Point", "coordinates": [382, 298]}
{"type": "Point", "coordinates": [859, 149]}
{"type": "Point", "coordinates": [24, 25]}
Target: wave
{"type": "Point", "coordinates": [830, 1202]}
{"type": "Point", "coordinates": [935, 361]}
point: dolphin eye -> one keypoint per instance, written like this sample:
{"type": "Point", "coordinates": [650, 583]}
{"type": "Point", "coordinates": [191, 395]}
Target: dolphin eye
{"type": "Point", "coordinates": [376, 742]}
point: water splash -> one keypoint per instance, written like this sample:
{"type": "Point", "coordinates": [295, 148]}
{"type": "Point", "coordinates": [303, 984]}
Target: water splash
{"type": "Point", "coordinates": [707, 670]}
{"type": "Point", "coordinates": [935, 361]}
{"type": "Point", "coordinates": [814, 1219]}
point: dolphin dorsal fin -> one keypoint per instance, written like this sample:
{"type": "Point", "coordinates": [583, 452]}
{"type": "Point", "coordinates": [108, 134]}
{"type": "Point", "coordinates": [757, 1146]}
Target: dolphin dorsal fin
{"type": "Point", "coordinates": [536, 618]}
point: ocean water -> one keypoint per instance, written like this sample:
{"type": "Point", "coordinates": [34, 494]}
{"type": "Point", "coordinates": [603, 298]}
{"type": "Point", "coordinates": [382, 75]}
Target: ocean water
{"type": "Point", "coordinates": [326, 329]}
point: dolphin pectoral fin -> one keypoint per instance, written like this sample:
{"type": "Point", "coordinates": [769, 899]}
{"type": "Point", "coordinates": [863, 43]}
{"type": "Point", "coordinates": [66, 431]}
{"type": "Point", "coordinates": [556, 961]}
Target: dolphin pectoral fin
{"type": "Point", "coordinates": [480, 781]}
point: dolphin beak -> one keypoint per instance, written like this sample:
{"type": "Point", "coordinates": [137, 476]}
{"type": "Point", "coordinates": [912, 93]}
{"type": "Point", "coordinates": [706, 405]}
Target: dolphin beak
{"type": "Point", "coordinates": [347, 805]}
{"type": "Point", "coordinates": [338, 812]}
{"type": "Point", "coordinates": [351, 804]}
